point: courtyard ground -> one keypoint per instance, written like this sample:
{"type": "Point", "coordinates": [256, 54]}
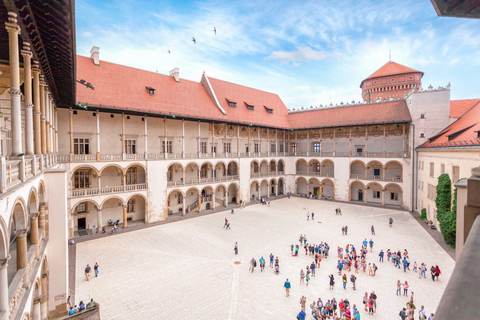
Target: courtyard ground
{"type": "Point", "coordinates": [187, 270]}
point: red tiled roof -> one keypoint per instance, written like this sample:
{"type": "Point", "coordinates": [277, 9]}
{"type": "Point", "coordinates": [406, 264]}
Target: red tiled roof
{"type": "Point", "coordinates": [459, 107]}
{"type": "Point", "coordinates": [374, 113]}
{"type": "Point", "coordinates": [240, 94]}
{"type": "Point", "coordinates": [463, 132]}
{"type": "Point", "coordinates": [391, 68]}
{"type": "Point", "coordinates": [122, 87]}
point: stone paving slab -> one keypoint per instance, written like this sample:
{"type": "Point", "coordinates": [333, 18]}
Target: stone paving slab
{"type": "Point", "coordinates": [186, 270]}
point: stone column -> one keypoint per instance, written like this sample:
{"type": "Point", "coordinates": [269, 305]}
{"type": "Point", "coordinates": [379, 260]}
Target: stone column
{"type": "Point", "coordinates": [198, 141]}
{"type": "Point", "coordinates": [199, 202]}
{"type": "Point", "coordinates": [27, 55]}
{"type": "Point", "coordinates": [99, 220]}
{"type": "Point", "coordinates": [184, 208]}
{"type": "Point", "coordinates": [123, 134]}
{"type": "Point", "coordinates": [366, 141]}
{"type": "Point", "coordinates": [41, 217]}
{"type": "Point", "coordinates": [71, 133]}
{"type": "Point", "coordinates": [125, 216]}
{"type": "Point", "coordinates": [42, 117]}
{"type": "Point", "coordinates": [97, 118]}
{"type": "Point", "coordinates": [350, 141]}
{"type": "Point", "coordinates": [16, 115]}
{"type": "Point", "coordinates": [146, 137]}
{"type": "Point", "coordinates": [383, 197]}
{"type": "Point", "coordinates": [213, 200]}
{"type": "Point", "coordinates": [36, 312]}
{"type": "Point", "coordinates": [44, 297]}
{"type": "Point", "coordinates": [36, 108]}
{"type": "Point", "coordinates": [34, 228]}
{"type": "Point", "coordinates": [183, 138]}
{"type": "Point", "coordinates": [384, 141]}
{"type": "Point", "coordinates": [4, 287]}
{"type": "Point", "coordinates": [365, 194]}
{"type": "Point", "coordinates": [22, 249]}
{"type": "Point", "coordinates": [48, 125]}
{"type": "Point", "coordinates": [56, 131]}
{"type": "Point", "coordinates": [334, 141]}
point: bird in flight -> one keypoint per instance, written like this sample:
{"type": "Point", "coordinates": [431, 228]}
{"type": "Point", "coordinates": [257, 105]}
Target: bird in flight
{"type": "Point", "coordinates": [194, 41]}
{"type": "Point", "coordinates": [215, 30]}
{"type": "Point", "coordinates": [168, 51]}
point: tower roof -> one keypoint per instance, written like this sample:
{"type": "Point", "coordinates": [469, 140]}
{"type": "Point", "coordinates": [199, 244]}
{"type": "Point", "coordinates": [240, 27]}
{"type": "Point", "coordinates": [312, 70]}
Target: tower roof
{"type": "Point", "coordinates": [390, 68]}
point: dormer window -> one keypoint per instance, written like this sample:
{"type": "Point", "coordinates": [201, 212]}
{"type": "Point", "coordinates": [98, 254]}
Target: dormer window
{"type": "Point", "coordinates": [249, 106]}
{"type": "Point", "coordinates": [422, 116]}
{"type": "Point", "coordinates": [269, 110]}
{"type": "Point", "coordinates": [151, 91]}
{"type": "Point", "coordinates": [231, 104]}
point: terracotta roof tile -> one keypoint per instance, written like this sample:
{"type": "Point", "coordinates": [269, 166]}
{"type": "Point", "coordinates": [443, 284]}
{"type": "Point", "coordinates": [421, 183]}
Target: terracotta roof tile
{"type": "Point", "coordinates": [391, 68]}
{"type": "Point", "coordinates": [374, 113]}
{"type": "Point", "coordinates": [459, 107]}
{"type": "Point", "coordinates": [463, 132]}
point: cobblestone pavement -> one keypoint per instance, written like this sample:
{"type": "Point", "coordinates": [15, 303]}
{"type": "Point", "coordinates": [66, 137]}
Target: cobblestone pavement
{"type": "Point", "coordinates": [186, 270]}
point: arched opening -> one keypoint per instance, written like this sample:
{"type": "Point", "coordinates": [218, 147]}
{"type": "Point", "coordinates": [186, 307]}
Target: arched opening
{"type": "Point", "coordinates": [393, 171]}
{"type": "Point", "coordinates": [220, 196]}
{"type": "Point", "coordinates": [281, 167]}
{"type": "Point", "coordinates": [264, 168]}
{"type": "Point", "coordinates": [220, 172]}
{"type": "Point", "coordinates": [111, 176]}
{"type": "Point", "coordinates": [175, 202]}
{"type": "Point", "coordinates": [328, 168]}
{"type": "Point", "coordinates": [84, 178]}
{"type": "Point", "coordinates": [264, 189]}
{"type": "Point", "coordinates": [301, 167]}
{"type": "Point", "coordinates": [281, 186]}
{"type": "Point", "coordinates": [233, 193]}
{"type": "Point", "coordinates": [301, 186]}
{"type": "Point", "coordinates": [272, 168]}
{"type": "Point", "coordinates": [374, 170]}
{"type": "Point", "coordinates": [135, 177]}
{"type": "Point", "coordinates": [254, 191]}
{"type": "Point", "coordinates": [393, 195]}
{"type": "Point", "coordinates": [273, 187]}
{"type": "Point", "coordinates": [357, 191]}
{"type": "Point", "coordinates": [85, 216]}
{"type": "Point", "coordinates": [374, 193]}
{"type": "Point", "coordinates": [175, 174]}
{"type": "Point", "coordinates": [232, 169]}
{"type": "Point", "coordinates": [206, 172]}
{"type": "Point", "coordinates": [314, 168]}
{"type": "Point", "coordinates": [254, 169]}
{"type": "Point", "coordinates": [207, 198]}
{"type": "Point", "coordinates": [314, 188]}
{"type": "Point", "coordinates": [191, 200]}
{"type": "Point", "coordinates": [33, 202]}
{"type": "Point", "coordinates": [328, 189]}
{"type": "Point", "coordinates": [357, 170]}
{"type": "Point", "coordinates": [136, 210]}
{"type": "Point", "coordinates": [191, 173]}
{"type": "Point", "coordinates": [112, 209]}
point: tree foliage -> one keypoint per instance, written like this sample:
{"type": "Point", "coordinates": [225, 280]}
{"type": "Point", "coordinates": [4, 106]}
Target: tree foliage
{"type": "Point", "coordinates": [448, 227]}
{"type": "Point", "coordinates": [423, 215]}
{"type": "Point", "coordinates": [443, 201]}
{"type": "Point", "coordinates": [454, 206]}
{"type": "Point", "coordinates": [445, 216]}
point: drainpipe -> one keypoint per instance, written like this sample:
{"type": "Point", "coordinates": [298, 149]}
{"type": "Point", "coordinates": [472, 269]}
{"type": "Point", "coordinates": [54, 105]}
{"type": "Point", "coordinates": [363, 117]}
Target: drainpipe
{"type": "Point", "coordinates": [414, 171]}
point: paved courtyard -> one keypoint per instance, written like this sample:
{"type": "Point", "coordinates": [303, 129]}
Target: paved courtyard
{"type": "Point", "coordinates": [186, 270]}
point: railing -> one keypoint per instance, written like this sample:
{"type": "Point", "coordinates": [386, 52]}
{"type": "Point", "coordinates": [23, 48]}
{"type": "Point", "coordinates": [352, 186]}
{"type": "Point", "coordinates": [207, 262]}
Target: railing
{"type": "Point", "coordinates": [135, 156]}
{"type": "Point", "coordinates": [220, 201]}
{"type": "Point", "coordinates": [192, 207]}
{"type": "Point", "coordinates": [201, 181]}
{"type": "Point", "coordinates": [314, 173]}
{"type": "Point", "coordinates": [357, 176]}
{"type": "Point", "coordinates": [111, 157]}
{"type": "Point", "coordinates": [84, 157]}
{"type": "Point", "coordinates": [106, 190]}
{"type": "Point", "coordinates": [12, 172]}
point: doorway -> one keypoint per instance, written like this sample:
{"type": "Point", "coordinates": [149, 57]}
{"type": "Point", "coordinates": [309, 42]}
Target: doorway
{"type": "Point", "coordinates": [360, 195]}
{"type": "Point", "coordinates": [82, 223]}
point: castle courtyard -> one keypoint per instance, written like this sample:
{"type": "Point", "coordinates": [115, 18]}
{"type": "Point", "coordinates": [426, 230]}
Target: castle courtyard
{"type": "Point", "coordinates": [187, 270]}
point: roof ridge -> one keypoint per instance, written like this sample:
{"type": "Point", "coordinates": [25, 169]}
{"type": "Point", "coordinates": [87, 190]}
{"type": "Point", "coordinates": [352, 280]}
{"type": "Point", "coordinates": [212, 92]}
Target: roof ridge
{"type": "Point", "coordinates": [241, 85]}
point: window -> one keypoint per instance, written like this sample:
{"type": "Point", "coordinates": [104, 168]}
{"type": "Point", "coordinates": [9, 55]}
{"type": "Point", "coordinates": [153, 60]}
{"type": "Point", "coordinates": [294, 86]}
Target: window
{"type": "Point", "coordinates": [227, 147]}
{"type": "Point", "coordinates": [376, 194]}
{"type": "Point", "coordinates": [294, 147]}
{"type": "Point", "coordinates": [257, 147]}
{"type": "Point", "coordinates": [249, 107]}
{"type": "Point", "coordinates": [82, 207]}
{"type": "Point", "coordinates": [422, 135]}
{"type": "Point", "coordinates": [359, 151]}
{"type": "Point", "coordinates": [317, 147]}
{"type": "Point", "coordinates": [131, 176]}
{"type": "Point", "coordinates": [442, 168]}
{"type": "Point", "coordinates": [431, 192]}
{"type": "Point", "coordinates": [82, 179]}
{"type": "Point", "coordinates": [269, 110]}
{"type": "Point", "coordinates": [203, 147]}
{"type": "Point", "coordinates": [394, 196]}
{"type": "Point", "coordinates": [273, 147]}
{"type": "Point", "coordinates": [130, 146]}
{"type": "Point", "coordinates": [231, 104]}
{"type": "Point", "coordinates": [167, 146]}
{"type": "Point", "coordinates": [81, 146]}
{"type": "Point", "coordinates": [281, 147]}
{"type": "Point", "coordinates": [422, 116]}
{"type": "Point", "coordinates": [131, 206]}
{"type": "Point", "coordinates": [455, 173]}
{"type": "Point", "coordinates": [376, 172]}
{"type": "Point", "coordinates": [180, 199]}
{"type": "Point", "coordinates": [432, 169]}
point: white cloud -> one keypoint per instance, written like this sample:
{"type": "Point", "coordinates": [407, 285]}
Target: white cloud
{"type": "Point", "coordinates": [301, 54]}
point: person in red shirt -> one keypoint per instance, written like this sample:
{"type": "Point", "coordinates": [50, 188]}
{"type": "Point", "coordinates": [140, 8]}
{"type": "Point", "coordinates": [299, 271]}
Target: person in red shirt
{"type": "Point", "coordinates": [341, 305]}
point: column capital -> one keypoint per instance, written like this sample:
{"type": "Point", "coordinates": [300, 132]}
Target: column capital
{"type": "Point", "coordinates": [124, 206]}
{"type": "Point", "coordinates": [22, 233]}
{"type": "Point", "coordinates": [11, 25]}
{"type": "Point", "coordinates": [4, 262]}
{"type": "Point", "coordinates": [35, 66]}
{"type": "Point", "coordinates": [34, 215]}
{"type": "Point", "coordinates": [26, 51]}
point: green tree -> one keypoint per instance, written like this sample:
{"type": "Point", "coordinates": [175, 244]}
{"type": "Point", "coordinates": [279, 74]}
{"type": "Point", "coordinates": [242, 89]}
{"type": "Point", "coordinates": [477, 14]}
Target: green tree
{"type": "Point", "coordinates": [423, 215]}
{"type": "Point", "coordinates": [444, 195]}
{"type": "Point", "coordinates": [454, 206]}
{"type": "Point", "coordinates": [448, 227]}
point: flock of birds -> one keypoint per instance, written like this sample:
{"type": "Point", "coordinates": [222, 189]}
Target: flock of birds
{"type": "Point", "coordinates": [195, 41]}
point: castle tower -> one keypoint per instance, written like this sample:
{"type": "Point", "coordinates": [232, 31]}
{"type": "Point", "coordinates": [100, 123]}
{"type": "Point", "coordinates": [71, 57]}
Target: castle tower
{"type": "Point", "coordinates": [392, 80]}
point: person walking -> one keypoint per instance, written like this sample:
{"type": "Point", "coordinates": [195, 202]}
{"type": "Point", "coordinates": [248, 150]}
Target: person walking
{"type": "Point", "coordinates": [236, 248]}
{"type": "Point", "coordinates": [95, 268]}
{"type": "Point", "coordinates": [422, 314]}
{"type": "Point", "coordinates": [332, 281]}
{"type": "Point", "coordinates": [390, 221]}
{"type": "Point", "coordinates": [87, 271]}
{"type": "Point", "coordinates": [373, 230]}
{"type": "Point", "coordinates": [271, 260]}
{"type": "Point", "coordinates": [374, 297]}
{"type": "Point", "coordinates": [228, 226]}
{"type": "Point", "coordinates": [370, 306]}
{"type": "Point", "coordinates": [287, 287]}
{"type": "Point", "coordinates": [403, 314]}
{"type": "Point", "coordinates": [313, 216]}
{"type": "Point", "coordinates": [344, 280]}
{"type": "Point", "coordinates": [399, 288]}
{"type": "Point", "coordinates": [253, 264]}
{"type": "Point", "coordinates": [262, 263]}
{"type": "Point", "coordinates": [308, 216]}
{"type": "Point", "coordinates": [301, 315]}
{"type": "Point", "coordinates": [346, 230]}
{"type": "Point", "coordinates": [381, 256]}
{"type": "Point", "coordinates": [405, 288]}
{"type": "Point", "coordinates": [353, 279]}
{"type": "Point", "coordinates": [371, 245]}
{"type": "Point", "coordinates": [302, 277]}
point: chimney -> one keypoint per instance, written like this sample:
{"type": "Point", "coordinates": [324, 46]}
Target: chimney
{"type": "Point", "coordinates": [95, 55]}
{"type": "Point", "coordinates": [175, 74]}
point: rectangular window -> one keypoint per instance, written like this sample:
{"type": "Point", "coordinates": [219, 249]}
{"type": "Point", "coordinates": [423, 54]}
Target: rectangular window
{"type": "Point", "coordinates": [269, 110]}
{"type": "Point", "coordinates": [82, 179]}
{"type": "Point", "coordinates": [227, 147]}
{"type": "Point", "coordinates": [82, 207]}
{"type": "Point", "coordinates": [317, 147]}
{"type": "Point", "coordinates": [131, 206]}
{"type": "Point", "coordinates": [131, 176]}
{"type": "Point", "coordinates": [442, 168]}
{"type": "Point", "coordinates": [455, 173]}
{"type": "Point", "coordinates": [257, 147]}
{"type": "Point", "coordinates": [249, 107]}
{"type": "Point", "coordinates": [394, 196]}
{"type": "Point", "coordinates": [213, 149]}
{"type": "Point", "coordinates": [294, 147]}
{"type": "Point", "coordinates": [281, 147]}
{"type": "Point", "coordinates": [422, 116]}
{"type": "Point", "coordinates": [203, 147]}
{"type": "Point", "coordinates": [180, 198]}
{"type": "Point", "coordinates": [376, 172]}
{"type": "Point", "coordinates": [130, 146]}
{"type": "Point", "coordinates": [273, 147]}
{"type": "Point", "coordinates": [81, 146]}
{"type": "Point", "coordinates": [376, 194]}
{"type": "Point", "coordinates": [432, 169]}
{"type": "Point", "coordinates": [422, 135]}
{"type": "Point", "coordinates": [359, 151]}
{"type": "Point", "coordinates": [232, 104]}
{"type": "Point", "coordinates": [167, 148]}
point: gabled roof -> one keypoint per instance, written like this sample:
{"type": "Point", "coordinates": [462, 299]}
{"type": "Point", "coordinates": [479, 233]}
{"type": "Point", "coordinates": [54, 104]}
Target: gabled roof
{"type": "Point", "coordinates": [123, 87]}
{"type": "Point", "coordinates": [459, 107]}
{"type": "Point", "coordinates": [374, 113]}
{"type": "Point", "coordinates": [391, 68]}
{"type": "Point", "coordinates": [461, 133]}
{"type": "Point", "coordinates": [241, 95]}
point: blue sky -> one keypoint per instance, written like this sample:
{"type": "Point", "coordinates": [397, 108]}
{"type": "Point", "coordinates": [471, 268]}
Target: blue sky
{"type": "Point", "coordinates": [308, 52]}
